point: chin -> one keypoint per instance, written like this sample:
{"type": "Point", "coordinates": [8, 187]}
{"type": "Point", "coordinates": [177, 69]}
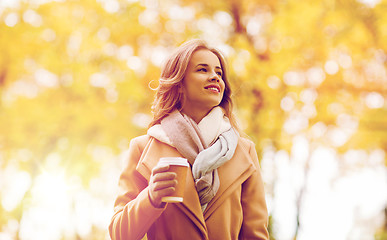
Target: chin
{"type": "Point", "coordinates": [215, 102]}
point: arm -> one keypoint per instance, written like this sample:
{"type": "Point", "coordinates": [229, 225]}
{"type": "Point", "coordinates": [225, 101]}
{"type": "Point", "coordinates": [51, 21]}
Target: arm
{"type": "Point", "coordinates": [133, 211]}
{"type": "Point", "coordinates": [255, 215]}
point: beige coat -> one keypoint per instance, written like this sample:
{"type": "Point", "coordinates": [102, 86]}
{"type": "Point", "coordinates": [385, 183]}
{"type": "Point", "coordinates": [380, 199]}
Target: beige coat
{"type": "Point", "coordinates": [238, 211]}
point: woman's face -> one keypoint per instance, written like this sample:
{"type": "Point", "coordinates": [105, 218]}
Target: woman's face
{"type": "Point", "coordinates": [203, 85]}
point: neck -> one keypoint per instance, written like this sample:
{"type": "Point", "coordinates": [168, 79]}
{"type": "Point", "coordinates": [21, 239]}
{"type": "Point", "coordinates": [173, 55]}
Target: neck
{"type": "Point", "coordinates": [197, 114]}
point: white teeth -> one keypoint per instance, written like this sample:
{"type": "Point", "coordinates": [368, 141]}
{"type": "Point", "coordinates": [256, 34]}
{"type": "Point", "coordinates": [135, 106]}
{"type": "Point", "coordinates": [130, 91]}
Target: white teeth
{"type": "Point", "coordinates": [213, 88]}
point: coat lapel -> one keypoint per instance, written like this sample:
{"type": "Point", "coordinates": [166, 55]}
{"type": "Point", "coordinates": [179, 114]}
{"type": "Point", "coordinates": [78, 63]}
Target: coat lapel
{"type": "Point", "coordinates": [153, 151]}
{"type": "Point", "coordinates": [231, 175]}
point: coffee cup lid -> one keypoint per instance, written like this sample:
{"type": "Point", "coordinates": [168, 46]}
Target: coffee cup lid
{"type": "Point", "coordinates": [174, 161]}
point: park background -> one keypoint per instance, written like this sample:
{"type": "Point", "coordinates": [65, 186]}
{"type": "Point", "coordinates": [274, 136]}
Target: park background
{"type": "Point", "coordinates": [310, 87]}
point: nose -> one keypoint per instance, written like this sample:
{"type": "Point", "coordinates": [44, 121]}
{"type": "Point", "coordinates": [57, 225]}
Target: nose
{"type": "Point", "coordinates": [215, 77]}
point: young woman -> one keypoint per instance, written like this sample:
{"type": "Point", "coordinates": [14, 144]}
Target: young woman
{"type": "Point", "coordinates": [192, 118]}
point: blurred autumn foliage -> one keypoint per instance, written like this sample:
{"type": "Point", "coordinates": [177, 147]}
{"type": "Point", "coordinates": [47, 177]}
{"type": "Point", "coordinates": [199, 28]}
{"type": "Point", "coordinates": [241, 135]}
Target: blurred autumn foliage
{"type": "Point", "coordinates": [309, 81]}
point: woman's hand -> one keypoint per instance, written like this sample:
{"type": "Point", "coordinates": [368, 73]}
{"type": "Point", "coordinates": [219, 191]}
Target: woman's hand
{"type": "Point", "coordinates": [161, 184]}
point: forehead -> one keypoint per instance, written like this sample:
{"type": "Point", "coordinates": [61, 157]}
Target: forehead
{"type": "Point", "coordinates": [204, 56]}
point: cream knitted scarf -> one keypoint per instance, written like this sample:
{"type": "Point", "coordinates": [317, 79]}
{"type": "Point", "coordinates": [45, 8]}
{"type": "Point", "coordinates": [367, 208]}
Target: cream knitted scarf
{"type": "Point", "coordinates": [206, 146]}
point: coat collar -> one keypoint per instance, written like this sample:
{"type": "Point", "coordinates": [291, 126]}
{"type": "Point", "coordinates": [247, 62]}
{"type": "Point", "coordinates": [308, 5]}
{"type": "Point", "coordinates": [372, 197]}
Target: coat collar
{"type": "Point", "coordinates": [231, 175]}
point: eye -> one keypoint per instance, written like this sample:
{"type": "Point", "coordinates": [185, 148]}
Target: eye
{"type": "Point", "coordinates": [219, 73]}
{"type": "Point", "coordinates": [202, 70]}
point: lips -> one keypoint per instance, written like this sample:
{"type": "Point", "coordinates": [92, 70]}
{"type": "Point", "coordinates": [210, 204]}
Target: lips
{"type": "Point", "coordinates": [213, 87]}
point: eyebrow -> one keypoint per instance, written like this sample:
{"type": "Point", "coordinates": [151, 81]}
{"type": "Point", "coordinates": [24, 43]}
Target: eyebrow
{"type": "Point", "coordinates": [206, 65]}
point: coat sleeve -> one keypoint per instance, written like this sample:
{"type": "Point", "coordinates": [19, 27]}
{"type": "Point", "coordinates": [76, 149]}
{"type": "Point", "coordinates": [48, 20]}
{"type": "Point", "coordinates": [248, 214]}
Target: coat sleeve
{"type": "Point", "coordinates": [133, 211]}
{"type": "Point", "coordinates": [255, 215]}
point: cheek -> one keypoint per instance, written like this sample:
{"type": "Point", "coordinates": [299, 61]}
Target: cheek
{"type": "Point", "coordinates": [223, 85]}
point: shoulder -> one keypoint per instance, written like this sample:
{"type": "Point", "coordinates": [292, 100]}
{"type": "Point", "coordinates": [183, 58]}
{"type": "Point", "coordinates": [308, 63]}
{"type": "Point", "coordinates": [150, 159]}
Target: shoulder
{"type": "Point", "coordinates": [139, 142]}
{"type": "Point", "coordinates": [249, 147]}
{"type": "Point", "coordinates": [246, 143]}
{"type": "Point", "coordinates": [140, 139]}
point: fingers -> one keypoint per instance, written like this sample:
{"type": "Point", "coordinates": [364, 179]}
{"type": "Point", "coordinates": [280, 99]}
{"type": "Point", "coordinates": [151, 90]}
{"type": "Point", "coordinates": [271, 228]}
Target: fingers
{"type": "Point", "coordinates": [164, 192]}
{"type": "Point", "coordinates": [160, 169]}
{"type": "Point", "coordinates": [161, 184]}
{"type": "Point", "coordinates": [164, 176]}
{"type": "Point", "coordinates": [162, 179]}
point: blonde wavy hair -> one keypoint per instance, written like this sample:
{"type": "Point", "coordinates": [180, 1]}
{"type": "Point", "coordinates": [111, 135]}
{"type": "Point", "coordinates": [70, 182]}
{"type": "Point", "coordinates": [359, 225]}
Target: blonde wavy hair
{"type": "Point", "coordinates": [169, 97]}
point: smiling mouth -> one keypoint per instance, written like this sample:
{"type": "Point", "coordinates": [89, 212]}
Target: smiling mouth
{"type": "Point", "coordinates": [213, 88]}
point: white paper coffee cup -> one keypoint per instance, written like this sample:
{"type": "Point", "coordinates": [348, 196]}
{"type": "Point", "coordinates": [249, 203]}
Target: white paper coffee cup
{"type": "Point", "coordinates": [180, 166]}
